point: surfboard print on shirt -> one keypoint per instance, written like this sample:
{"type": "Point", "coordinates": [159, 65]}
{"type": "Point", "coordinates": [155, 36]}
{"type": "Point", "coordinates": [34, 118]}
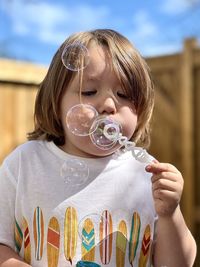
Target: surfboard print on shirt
{"type": "Point", "coordinates": [88, 241]}
{"type": "Point", "coordinates": [70, 234]}
{"type": "Point", "coordinates": [38, 232]}
{"type": "Point", "coordinates": [134, 237]}
{"type": "Point", "coordinates": [145, 250]}
{"type": "Point", "coordinates": [53, 242]}
{"type": "Point", "coordinates": [106, 237]}
{"type": "Point", "coordinates": [121, 243]}
{"type": "Point", "coordinates": [18, 237]}
{"type": "Point", "coordinates": [27, 242]}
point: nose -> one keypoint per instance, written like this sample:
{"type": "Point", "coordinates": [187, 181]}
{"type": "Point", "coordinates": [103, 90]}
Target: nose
{"type": "Point", "coordinates": [107, 106]}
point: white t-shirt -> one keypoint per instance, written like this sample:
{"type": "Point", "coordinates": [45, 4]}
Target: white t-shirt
{"type": "Point", "coordinates": [56, 209]}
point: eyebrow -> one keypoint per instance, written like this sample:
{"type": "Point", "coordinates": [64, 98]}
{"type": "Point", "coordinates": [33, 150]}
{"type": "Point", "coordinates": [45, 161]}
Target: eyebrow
{"type": "Point", "coordinates": [91, 78]}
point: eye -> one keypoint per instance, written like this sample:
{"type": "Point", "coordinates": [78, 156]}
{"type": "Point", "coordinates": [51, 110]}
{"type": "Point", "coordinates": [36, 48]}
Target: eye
{"type": "Point", "coordinates": [123, 95]}
{"type": "Point", "coordinates": [88, 92]}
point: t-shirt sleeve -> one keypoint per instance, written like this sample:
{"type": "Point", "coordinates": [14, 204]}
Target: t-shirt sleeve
{"type": "Point", "coordinates": [7, 206]}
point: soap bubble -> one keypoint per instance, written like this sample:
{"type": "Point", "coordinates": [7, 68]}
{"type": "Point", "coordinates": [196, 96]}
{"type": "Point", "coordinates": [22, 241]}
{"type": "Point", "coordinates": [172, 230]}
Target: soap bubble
{"type": "Point", "coordinates": [74, 172]}
{"type": "Point", "coordinates": [80, 118]}
{"type": "Point", "coordinates": [105, 132]}
{"type": "Point", "coordinates": [92, 224]}
{"type": "Point", "coordinates": [75, 56]}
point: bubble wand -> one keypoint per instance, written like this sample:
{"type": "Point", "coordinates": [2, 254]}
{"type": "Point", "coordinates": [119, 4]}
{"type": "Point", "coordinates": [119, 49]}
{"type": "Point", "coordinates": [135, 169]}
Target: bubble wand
{"type": "Point", "coordinates": [112, 131]}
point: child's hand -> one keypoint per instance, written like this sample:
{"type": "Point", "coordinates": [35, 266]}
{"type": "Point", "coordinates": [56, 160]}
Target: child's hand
{"type": "Point", "coordinates": [167, 187]}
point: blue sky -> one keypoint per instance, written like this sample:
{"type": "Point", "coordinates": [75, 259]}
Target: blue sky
{"type": "Point", "coordinates": [32, 30]}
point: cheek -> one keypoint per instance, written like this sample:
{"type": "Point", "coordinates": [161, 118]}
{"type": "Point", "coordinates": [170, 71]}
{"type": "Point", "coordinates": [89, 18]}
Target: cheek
{"type": "Point", "coordinates": [63, 119]}
{"type": "Point", "coordinates": [131, 126]}
{"type": "Point", "coordinates": [129, 123]}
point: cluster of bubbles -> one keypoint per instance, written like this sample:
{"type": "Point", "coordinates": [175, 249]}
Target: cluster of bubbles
{"type": "Point", "coordinates": [83, 120]}
{"type": "Point", "coordinates": [104, 132]}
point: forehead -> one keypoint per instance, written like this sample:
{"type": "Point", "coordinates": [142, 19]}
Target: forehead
{"type": "Point", "coordinates": [99, 63]}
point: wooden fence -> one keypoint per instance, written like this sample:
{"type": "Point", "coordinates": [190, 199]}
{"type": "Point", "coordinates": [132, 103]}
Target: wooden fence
{"type": "Point", "coordinates": [18, 87]}
{"type": "Point", "coordinates": [175, 125]}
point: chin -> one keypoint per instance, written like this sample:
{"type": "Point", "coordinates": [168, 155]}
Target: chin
{"type": "Point", "coordinates": [98, 152]}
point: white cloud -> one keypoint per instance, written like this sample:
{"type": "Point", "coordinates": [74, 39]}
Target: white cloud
{"type": "Point", "coordinates": [51, 23]}
{"type": "Point", "coordinates": [145, 35]}
{"type": "Point", "coordinates": [142, 27]}
{"type": "Point", "coordinates": [175, 7]}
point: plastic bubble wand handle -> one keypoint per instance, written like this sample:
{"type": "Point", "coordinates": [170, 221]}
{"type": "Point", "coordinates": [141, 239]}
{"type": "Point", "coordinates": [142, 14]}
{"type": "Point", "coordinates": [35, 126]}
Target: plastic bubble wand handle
{"type": "Point", "coordinates": [138, 153]}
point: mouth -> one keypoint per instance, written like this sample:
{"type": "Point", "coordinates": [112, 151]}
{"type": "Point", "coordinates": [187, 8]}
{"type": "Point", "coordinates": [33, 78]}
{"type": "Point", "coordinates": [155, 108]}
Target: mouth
{"type": "Point", "coordinates": [105, 132]}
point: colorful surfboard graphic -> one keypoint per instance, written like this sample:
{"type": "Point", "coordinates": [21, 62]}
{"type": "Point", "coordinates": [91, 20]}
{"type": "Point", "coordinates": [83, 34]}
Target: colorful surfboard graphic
{"type": "Point", "coordinates": [18, 237]}
{"type": "Point", "coordinates": [88, 241]}
{"type": "Point", "coordinates": [27, 243]}
{"type": "Point", "coordinates": [70, 233]}
{"type": "Point", "coordinates": [134, 237]}
{"type": "Point", "coordinates": [106, 236]}
{"type": "Point", "coordinates": [38, 232]}
{"type": "Point", "coordinates": [53, 242]}
{"type": "Point", "coordinates": [146, 244]}
{"type": "Point", "coordinates": [121, 242]}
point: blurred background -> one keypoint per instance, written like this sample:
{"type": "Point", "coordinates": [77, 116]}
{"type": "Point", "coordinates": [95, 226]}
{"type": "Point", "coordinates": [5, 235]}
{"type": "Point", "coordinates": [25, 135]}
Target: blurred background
{"type": "Point", "coordinates": [167, 33]}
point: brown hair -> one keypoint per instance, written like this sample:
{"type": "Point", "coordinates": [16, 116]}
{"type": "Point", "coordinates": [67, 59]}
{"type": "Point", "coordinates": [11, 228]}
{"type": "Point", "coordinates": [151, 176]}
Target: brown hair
{"type": "Point", "coordinates": [130, 68]}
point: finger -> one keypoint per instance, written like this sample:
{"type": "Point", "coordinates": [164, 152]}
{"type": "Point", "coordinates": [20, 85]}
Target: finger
{"type": "Point", "coordinates": [166, 175]}
{"type": "Point", "coordinates": [166, 195]}
{"type": "Point", "coordinates": [168, 185]}
{"type": "Point", "coordinates": [160, 167]}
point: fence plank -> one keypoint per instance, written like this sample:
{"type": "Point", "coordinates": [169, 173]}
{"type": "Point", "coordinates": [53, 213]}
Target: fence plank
{"type": "Point", "coordinates": [187, 129]}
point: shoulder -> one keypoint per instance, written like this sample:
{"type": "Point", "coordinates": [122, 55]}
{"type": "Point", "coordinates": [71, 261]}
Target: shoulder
{"type": "Point", "coordinates": [23, 156]}
{"type": "Point", "coordinates": [24, 151]}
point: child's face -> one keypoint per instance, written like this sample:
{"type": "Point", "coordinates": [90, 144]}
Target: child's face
{"type": "Point", "coordinates": [102, 90]}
